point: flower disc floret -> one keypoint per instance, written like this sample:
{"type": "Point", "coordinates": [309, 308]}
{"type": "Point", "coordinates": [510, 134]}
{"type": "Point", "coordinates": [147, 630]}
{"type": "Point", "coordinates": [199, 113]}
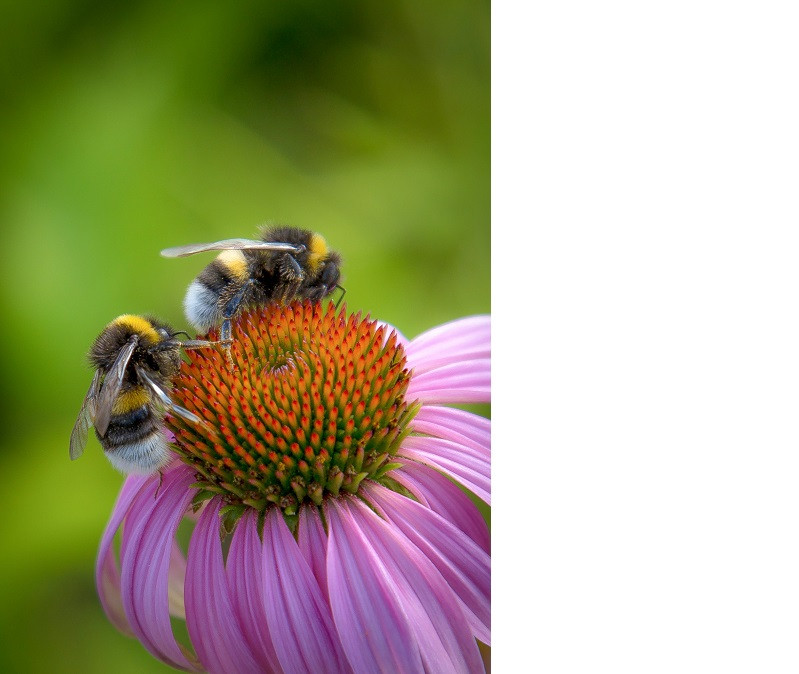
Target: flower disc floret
{"type": "Point", "coordinates": [313, 404]}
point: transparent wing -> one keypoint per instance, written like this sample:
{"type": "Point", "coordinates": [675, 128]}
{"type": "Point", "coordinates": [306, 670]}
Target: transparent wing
{"type": "Point", "coordinates": [111, 386]}
{"type": "Point", "coordinates": [163, 397]}
{"type": "Point", "coordinates": [80, 432]}
{"type": "Point", "coordinates": [231, 244]}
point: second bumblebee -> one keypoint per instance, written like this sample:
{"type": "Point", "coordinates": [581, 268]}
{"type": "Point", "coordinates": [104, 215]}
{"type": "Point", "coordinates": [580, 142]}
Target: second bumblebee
{"type": "Point", "coordinates": [286, 263]}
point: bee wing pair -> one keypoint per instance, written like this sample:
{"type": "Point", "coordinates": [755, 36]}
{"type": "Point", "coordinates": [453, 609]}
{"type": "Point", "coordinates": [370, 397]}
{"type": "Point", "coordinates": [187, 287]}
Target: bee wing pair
{"type": "Point", "coordinates": [88, 411]}
{"type": "Point", "coordinates": [231, 244]}
{"type": "Point", "coordinates": [99, 401]}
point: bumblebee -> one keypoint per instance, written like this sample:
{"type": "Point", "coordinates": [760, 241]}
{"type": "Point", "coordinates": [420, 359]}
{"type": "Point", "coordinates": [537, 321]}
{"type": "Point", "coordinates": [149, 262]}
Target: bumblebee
{"type": "Point", "coordinates": [286, 263]}
{"type": "Point", "coordinates": [134, 358]}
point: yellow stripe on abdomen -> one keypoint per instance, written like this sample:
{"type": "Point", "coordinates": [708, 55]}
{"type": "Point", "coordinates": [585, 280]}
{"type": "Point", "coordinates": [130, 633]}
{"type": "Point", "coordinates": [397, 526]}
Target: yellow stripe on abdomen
{"type": "Point", "coordinates": [235, 262]}
{"type": "Point", "coordinates": [130, 400]}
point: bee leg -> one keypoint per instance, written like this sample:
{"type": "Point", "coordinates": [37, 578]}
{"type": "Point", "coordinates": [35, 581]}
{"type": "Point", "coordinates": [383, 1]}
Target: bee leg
{"type": "Point", "coordinates": [290, 269]}
{"type": "Point", "coordinates": [291, 272]}
{"type": "Point", "coordinates": [160, 482]}
{"type": "Point", "coordinates": [225, 332]}
{"type": "Point", "coordinates": [197, 343]}
{"type": "Point", "coordinates": [290, 292]}
{"type": "Point", "coordinates": [231, 307]}
{"type": "Point", "coordinates": [229, 310]}
{"type": "Point", "coordinates": [226, 340]}
{"type": "Point", "coordinates": [343, 292]}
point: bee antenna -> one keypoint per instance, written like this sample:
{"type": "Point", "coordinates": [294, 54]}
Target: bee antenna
{"type": "Point", "coordinates": [180, 332]}
{"type": "Point", "coordinates": [343, 292]}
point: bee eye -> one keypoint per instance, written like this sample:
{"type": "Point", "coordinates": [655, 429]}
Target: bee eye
{"type": "Point", "coordinates": [163, 333]}
{"type": "Point", "coordinates": [330, 274]}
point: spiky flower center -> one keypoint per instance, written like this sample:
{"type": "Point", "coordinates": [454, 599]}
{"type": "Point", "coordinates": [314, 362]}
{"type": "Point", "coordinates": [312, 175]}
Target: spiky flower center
{"type": "Point", "coordinates": [313, 405]}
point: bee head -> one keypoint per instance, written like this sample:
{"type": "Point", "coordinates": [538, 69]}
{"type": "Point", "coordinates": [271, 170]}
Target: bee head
{"type": "Point", "coordinates": [325, 280]}
{"type": "Point", "coordinates": [165, 354]}
{"type": "Point", "coordinates": [117, 334]}
{"type": "Point", "coordinates": [330, 272]}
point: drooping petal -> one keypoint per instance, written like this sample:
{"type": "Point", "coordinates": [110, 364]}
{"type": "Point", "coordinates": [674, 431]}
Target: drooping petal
{"type": "Point", "coordinates": [471, 470]}
{"type": "Point", "coordinates": [393, 609]}
{"type": "Point", "coordinates": [465, 567]}
{"type": "Point", "coordinates": [210, 618]}
{"type": "Point", "coordinates": [458, 341]}
{"type": "Point", "coordinates": [443, 496]}
{"type": "Point", "coordinates": [312, 541]}
{"type": "Point", "coordinates": [369, 616]}
{"type": "Point", "coordinates": [453, 424]}
{"type": "Point", "coordinates": [463, 382]}
{"type": "Point", "coordinates": [177, 577]}
{"type": "Point", "coordinates": [245, 580]}
{"type": "Point", "coordinates": [299, 618]}
{"type": "Point", "coordinates": [147, 538]}
{"type": "Point", "coordinates": [107, 570]}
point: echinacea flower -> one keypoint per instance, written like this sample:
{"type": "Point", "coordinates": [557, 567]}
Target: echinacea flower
{"type": "Point", "coordinates": [329, 532]}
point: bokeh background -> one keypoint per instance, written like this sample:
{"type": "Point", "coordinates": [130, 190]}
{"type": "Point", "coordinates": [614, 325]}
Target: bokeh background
{"type": "Point", "coordinates": [127, 128]}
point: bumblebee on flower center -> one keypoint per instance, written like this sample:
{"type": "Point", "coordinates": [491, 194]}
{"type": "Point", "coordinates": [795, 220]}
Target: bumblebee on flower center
{"type": "Point", "coordinates": [314, 405]}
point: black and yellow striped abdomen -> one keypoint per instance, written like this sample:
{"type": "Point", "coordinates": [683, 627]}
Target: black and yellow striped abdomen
{"type": "Point", "coordinates": [134, 441]}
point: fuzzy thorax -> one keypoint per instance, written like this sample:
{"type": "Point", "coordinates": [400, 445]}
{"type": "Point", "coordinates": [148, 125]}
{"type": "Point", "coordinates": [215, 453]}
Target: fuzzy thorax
{"type": "Point", "coordinates": [317, 252]}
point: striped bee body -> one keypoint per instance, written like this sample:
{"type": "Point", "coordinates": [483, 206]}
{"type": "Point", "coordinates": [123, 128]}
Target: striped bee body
{"type": "Point", "coordinates": [286, 263]}
{"type": "Point", "coordinates": [134, 359]}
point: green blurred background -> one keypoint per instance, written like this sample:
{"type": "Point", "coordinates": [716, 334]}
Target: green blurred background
{"type": "Point", "coordinates": [127, 128]}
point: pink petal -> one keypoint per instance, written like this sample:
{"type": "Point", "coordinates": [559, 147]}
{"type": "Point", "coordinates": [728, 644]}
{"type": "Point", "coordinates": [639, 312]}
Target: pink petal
{"type": "Point", "coordinates": [472, 471]}
{"type": "Point", "coordinates": [245, 580]}
{"type": "Point", "coordinates": [452, 449]}
{"type": "Point", "coordinates": [371, 621]}
{"type": "Point", "coordinates": [210, 618]}
{"type": "Point", "coordinates": [465, 567]}
{"type": "Point", "coordinates": [458, 341]}
{"type": "Point", "coordinates": [465, 382]}
{"type": "Point", "coordinates": [443, 496]}
{"type": "Point", "coordinates": [312, 541]}
{"type": "Point", "coordinates": [393, 609]}
{"type": "Point", "coordinates": [475, 329]}
{"type": "Point", "coordinates": [106, 570]}
{"type": "Point", "coordinates": [453, 424]}
{"type": "Point", "coordinates": [147, 539]}
{"type": "Point", "coordinates": [299, 618]}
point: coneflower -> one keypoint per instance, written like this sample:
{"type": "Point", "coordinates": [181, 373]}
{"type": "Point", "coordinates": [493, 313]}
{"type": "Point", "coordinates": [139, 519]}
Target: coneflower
{"type": "Point", "coordinates": [330, 534]}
